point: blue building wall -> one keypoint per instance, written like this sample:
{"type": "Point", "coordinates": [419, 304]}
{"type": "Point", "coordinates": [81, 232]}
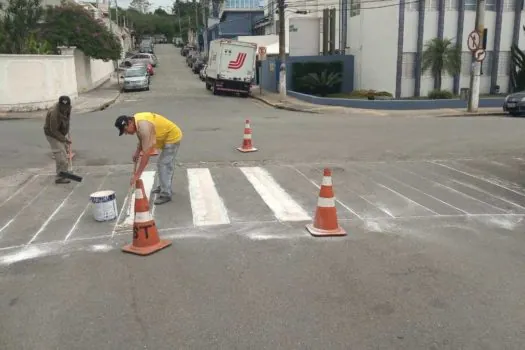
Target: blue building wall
{"type": "Point", "coordinates": [270, 78]}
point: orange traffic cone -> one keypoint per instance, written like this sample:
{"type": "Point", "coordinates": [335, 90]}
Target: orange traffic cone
{"type": "Point", "coordinates": [325, 222]}
{"type": "Point", "coordinates": [247, 139]}
{"type": "Point", "coordinates": [145, 236]}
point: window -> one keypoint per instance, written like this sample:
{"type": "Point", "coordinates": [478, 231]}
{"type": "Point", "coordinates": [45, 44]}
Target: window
{"type": "Point", "coordinates": [412, 5]}
{"type": "Point", "coordinates": [490, 5]}
{"type": "Point", "coordinates": [355, 8]}
{"type": "Point", "coordinates": [470, 5]}
{"type": "Point", "coordinates": [408, 62]}
{"type": "Point", "coordinates": [431, 5]}
{"type": "Point", "coordinates": [509, 5]}
{"type": "Point", "coordinates": [504, 63]}
{"type": "Point", "coordinates": [451, 5]}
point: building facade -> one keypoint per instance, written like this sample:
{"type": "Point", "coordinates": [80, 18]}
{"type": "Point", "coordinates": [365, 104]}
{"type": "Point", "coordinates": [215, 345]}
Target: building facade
{"type": "Point", "coordinates": [388, 38]}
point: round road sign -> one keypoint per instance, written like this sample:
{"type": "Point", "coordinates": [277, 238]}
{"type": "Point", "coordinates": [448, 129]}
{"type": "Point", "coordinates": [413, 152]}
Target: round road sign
{"type": "Point", "coordinates": [480, 55]}
{"type": "Point", "coordinates": [474, 41]}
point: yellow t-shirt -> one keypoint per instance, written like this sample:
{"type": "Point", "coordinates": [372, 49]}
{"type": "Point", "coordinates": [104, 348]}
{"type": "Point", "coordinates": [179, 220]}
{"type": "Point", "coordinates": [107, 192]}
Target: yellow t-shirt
{"type": "Point", "coordinates": [166, 131]}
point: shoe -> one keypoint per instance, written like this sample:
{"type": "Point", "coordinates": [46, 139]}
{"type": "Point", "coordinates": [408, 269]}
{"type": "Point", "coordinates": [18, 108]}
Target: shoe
{"type": "Point", "coordinates": [62, 180]}
{"type": "Point", "coordinates": [162, 200]}
{"type": "Point", "coordinates": [156, 190]}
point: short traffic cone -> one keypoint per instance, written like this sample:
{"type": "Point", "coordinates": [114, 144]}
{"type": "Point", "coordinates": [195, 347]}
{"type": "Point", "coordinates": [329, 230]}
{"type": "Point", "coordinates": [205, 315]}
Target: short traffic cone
{"type": "Point", "coordinates": [145, 236]}
{"type": "Point", "coordinates": [247, 139]}
{"type": "Point", "coordinates": [325, 221]}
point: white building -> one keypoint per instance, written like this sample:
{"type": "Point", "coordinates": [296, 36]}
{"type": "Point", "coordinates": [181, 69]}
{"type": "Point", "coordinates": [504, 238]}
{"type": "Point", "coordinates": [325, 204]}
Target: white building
{"type": "Point", "coordinates": [388, 37]}
{"type": "Point", "coordinates": [299, 9]}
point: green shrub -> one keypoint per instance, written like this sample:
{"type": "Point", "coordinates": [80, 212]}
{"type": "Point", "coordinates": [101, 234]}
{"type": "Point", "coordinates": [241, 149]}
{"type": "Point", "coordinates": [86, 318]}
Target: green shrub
{"type": "Point", "coordinates": [440, 95]}
{"type": "Point", "coordinates": [320, 83]}
{"type": "Point", "coordinates": [300, 70]}
{"type": "Point", "coordinates": [369, 93]}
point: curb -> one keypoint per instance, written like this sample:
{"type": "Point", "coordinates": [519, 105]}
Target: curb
{"type": "Point", "coordinates": [282, 106]}
{"type": "Point", "coordinates": [102, 106]}
{"type": "Point", "coordinates": [482, 114]}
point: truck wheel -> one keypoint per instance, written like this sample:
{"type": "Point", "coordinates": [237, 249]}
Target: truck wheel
{"type": "Point", "coordinates": [208, 86]}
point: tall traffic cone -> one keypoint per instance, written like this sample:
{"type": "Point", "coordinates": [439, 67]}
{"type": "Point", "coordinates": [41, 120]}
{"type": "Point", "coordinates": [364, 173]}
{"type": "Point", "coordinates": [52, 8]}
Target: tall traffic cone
{"type": "Point", "coordinates": [247, 139]}
{"type": "Point", "coordinates": [325, 222]}
{"type": "Point", "coordinates": [145, 236]}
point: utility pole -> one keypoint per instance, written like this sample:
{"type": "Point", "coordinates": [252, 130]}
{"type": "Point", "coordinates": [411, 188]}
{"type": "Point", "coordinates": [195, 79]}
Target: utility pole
{"type": "Point", "coordinates": [475, 72]}
{"type": "Point", "coordinates": [282, 49]}
{"type": "Point", "coordinates": [196, 22]}
{"type": "Point", "coordinates": [205, 24]}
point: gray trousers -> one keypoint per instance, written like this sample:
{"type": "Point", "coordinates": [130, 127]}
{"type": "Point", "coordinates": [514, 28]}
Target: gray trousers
{"type": "Point", "coordinates": [59, 150]}
{"type": "Point", "coordinates": [165, 168]}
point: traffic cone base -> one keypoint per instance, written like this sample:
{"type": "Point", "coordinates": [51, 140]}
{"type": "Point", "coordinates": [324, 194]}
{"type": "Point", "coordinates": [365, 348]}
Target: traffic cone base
{"type": "Point", "coordinates": [130, 248]}
{"type": "Point", "coordinates": [253, 149]}
{"type": "Point", "coordinates": [325, 233]}
{"type": "Point", "coordinates": [146, 239]}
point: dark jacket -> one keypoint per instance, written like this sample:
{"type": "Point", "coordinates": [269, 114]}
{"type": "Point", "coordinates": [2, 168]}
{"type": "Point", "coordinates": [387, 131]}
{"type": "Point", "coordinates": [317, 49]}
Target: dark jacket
{"type": "Point", "coordinates": [57, 123]}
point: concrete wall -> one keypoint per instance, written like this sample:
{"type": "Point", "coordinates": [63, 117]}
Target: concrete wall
{"type": "Point", "coordinates": [376, 46]}
{"type": "Point", "coordinates": [32, 82]}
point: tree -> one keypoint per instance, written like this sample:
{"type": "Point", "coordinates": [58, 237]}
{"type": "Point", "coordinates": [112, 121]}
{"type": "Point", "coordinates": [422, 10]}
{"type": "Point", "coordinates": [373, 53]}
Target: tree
{"type": "Point", "coordinates": [72, 25]}
{"type": "Point", "coordinates": [160, 12]}
{"type": "Point", "coordinates": [141, 6]}
{"type": "Point", "coordinates": [19, 25]}
{"type": "Point", "coordinates": [440, 56]}
{"type": "Point", "coordinates": [517, 69]}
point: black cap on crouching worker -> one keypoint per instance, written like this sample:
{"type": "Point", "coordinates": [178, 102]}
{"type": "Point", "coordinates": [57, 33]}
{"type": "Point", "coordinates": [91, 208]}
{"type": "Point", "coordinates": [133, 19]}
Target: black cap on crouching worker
{"type": "Point", "coordinates": [121, 123]}
{"type": "Point", "coordinates": [64, 100]}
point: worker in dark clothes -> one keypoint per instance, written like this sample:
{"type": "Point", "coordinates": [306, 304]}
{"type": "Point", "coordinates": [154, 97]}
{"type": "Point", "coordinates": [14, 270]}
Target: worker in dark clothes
{"type": "Point", "coordinates": [56, 129]}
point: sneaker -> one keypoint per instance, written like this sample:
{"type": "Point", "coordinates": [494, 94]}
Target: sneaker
{"type": "Point", "coordinates": [62, 180]}
{"type": "Point", "coordinates": [156, 190]}
{"type": "Point", "coordinates": [162, 200]}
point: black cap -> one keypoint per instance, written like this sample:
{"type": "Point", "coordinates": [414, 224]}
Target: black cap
{"type": "Point", "coordinates": [64, 100]}
{"type": "Point", "coordinates": [121, 123]}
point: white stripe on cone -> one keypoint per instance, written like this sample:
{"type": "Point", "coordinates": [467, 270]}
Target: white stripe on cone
{"type": "Point", "coordinates": [142, 217]}
{"type": "Point", "coordinates": [138, 194]}
{"type": "Point", "coordinates": [327, 181]}
{"type": "Point", "coordinates": [326, 202]}
{"type": "Point", "coordinates": [247, 136]}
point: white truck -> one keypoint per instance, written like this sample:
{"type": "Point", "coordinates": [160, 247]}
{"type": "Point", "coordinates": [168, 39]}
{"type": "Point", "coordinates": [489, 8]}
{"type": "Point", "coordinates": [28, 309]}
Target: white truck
{"type": "Point", "coordinates": [231, 66]}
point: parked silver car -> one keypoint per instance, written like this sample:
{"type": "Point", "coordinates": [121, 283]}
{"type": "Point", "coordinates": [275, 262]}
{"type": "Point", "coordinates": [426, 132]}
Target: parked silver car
{"type": "Point", "coordinates": [141, 58]}
{"type": "Point", "coordinates": [136, 78]}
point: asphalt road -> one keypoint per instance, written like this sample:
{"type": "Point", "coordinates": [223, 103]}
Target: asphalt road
{"type": "Point", "coordinates": [433, 210]}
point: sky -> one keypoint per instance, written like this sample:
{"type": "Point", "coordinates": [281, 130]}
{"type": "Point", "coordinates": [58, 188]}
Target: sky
{"type": "Point", "coordinates": [154, 3]}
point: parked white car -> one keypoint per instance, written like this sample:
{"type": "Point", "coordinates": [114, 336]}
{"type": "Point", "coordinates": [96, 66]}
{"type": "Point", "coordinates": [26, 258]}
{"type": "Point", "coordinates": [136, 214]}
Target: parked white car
{"type": "Point", "coordinates": [141, 58]}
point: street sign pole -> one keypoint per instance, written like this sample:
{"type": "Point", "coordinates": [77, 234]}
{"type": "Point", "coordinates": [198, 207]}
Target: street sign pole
{"type": "Point", "coordinates": [473, 101]}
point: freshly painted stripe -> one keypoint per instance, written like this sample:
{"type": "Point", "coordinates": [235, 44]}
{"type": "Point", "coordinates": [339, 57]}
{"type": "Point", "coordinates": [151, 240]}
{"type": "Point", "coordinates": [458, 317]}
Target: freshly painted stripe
{"type": "Point", "coordinates": [326, 202]}
{"type": "Point", "coordinates": [284, 207]}
{"type": "Point", "coordinates": [327, 181]}
{"type": "Point", "coordinates": [148, 178]}
{"type": "Point", "coordinates": [206, 204]}
{"type": "Point", "coordinates": [143, 217]}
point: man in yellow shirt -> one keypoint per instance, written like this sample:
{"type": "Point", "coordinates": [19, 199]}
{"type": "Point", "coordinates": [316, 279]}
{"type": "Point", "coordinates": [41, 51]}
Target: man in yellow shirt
{"type": "Point", "coordinates": [153, 131]}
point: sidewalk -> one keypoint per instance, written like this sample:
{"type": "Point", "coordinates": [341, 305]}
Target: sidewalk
{"type": "Point", "coordinates": [91, 101]}
{"type": "Point", "coordinates": [293, 104]}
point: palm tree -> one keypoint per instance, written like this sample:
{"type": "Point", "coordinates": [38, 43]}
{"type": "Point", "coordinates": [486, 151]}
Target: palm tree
{"type": "Point", "coordinates": [441, 55]}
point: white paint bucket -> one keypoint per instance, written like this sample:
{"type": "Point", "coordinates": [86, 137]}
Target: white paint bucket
{"type": "Point", "coordinates": [104, 205]}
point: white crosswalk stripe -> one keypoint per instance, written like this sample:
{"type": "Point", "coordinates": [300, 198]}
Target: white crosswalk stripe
{"type": "Point", "coordinates": [255, 196]}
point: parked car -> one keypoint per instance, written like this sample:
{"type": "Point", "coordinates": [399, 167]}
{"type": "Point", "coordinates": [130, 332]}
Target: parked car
{"type": "Point", "coordinates": [136, 78]}
{"type": "Point", "coordinates": [514, 103]}
{"type": "Point", "coordinates": [147, 66]}
{"type": "Point", "coordinates": [141, 57]}
{"type": "Point", "coordinates": [197, 65]}
{"type": "Point", "coordinates": [202, 73]}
